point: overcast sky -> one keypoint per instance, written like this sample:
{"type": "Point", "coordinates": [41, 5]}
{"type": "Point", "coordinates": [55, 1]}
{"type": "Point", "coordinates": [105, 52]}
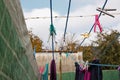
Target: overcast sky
{"type": "Point", "coordinates": [77, 25]}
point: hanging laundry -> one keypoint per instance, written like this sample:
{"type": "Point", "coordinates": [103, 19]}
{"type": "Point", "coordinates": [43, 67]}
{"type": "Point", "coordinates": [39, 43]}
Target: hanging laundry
{"type": "Point", "coordinates": [97, 23]}
{"type": "Point", "coordinates": [86, 70]}
{"type": "Point", "coordinates": [67, 55]}
{"type": "Point", "coordinates": [96, 71]}
{"type": "Point", "coordinates": [79, 73]}
{"type": "Point", "coordinates": [87, 75]}
{"type": "Point", "coordinates": [53, 70]}
{"type": "Point", "coordinates": [45, 73]}
{"type": "Point", "coordinates": [41, 69]}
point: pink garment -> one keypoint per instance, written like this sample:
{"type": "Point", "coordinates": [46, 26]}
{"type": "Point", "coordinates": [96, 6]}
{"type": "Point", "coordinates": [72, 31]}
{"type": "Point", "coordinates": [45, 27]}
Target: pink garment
{"type": "Point", "coordinates": [87, 75]}
{"type": "Point", "coordinates": [41, 70]}
{"type": "Point", "coordinates": [97, 23]}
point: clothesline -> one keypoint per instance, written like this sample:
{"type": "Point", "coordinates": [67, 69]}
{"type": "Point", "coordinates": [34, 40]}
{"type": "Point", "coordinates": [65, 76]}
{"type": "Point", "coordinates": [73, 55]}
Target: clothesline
{"type": "Point", "coordinates": [104, 65]}
{"type": "Point", "coordinates": [67, 19]}
{"type": "Point", "coordinates": [81, 16]}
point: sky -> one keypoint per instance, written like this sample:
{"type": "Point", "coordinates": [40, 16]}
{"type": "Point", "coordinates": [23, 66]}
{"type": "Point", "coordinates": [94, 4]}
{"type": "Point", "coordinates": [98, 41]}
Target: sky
{"type": "Point", "coordinates": [76, 25]}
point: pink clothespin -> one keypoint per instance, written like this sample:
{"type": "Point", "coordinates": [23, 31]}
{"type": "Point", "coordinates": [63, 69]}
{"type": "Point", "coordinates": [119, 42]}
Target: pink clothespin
{"type": "Point", "coordinates": [119, 68]}
{"type": "Point", "coordinates": [97, 23]}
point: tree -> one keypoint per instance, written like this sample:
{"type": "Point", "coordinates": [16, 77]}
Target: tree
{"type": "Point", "coordinates": [108, 47]}
{"type": "Point", "coordinates": [70, 43]}
{"type": "Point", "coordinates": [87, 53]}
{"type": "Point", "coordinates": [36, 42]}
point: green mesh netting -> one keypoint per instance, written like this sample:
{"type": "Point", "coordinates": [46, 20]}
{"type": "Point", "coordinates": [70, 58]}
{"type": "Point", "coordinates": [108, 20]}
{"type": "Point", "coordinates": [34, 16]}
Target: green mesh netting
{"type": "Point", "coordinates": [14, 63]}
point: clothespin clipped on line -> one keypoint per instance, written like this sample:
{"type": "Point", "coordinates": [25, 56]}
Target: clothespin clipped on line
{"type": "Point", "coordinates": [85, 35]}
{"type": "Point", "coordinates": [97, 23]}
{"type": "Point", "coordinates": [86, 65]}
{"type": "Point", "coordinates": [105, 11]}
{"type": "Point", "coordinates": [119, 68]}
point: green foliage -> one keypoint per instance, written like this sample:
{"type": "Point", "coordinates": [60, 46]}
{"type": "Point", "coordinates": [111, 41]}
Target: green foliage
{"type": "Point", "coordinates": [87, 53]}
{"type": "Point", "coordinates": [108, 47]}
{"type": "Point", "coordinates": [70, 43]}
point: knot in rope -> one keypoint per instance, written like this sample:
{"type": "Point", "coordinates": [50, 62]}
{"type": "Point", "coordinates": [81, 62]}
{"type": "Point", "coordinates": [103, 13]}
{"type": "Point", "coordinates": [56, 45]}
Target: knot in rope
{"type": "Point", "coordinates": [52, 30]}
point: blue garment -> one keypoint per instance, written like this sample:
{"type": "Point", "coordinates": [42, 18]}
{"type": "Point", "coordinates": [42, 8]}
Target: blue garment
{"type": "Point", "coordinates": [45, 73]}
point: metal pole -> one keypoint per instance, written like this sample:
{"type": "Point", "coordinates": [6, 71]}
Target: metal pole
{"type": "Point", "coordinates": [60, 67]}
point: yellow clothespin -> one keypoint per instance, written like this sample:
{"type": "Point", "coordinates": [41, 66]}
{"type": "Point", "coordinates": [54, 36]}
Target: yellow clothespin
{"type": "Point", "coordinates": [85, 35]}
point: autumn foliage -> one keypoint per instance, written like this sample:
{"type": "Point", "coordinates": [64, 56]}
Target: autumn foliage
{"type": "Point", "coordinates": [36, 42]}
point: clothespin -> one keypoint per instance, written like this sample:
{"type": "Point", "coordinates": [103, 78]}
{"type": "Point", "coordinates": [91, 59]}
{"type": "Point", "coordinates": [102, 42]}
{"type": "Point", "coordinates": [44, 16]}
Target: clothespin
{"type": "Point", "coordinates": [97, 23]}
{"type": "Point", "coordinates": [85, 65]}
{"type": "Point", "coordinates": [105, 11]}
{"type": "Point", "coordinates": [82, 64]}
{"type": "Point", "coordinates": [119, 68]}
{"type": "Point", "coordinates": [85, 35]}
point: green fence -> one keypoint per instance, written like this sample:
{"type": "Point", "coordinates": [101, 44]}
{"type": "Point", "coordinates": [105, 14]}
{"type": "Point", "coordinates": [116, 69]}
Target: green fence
{"type": "Point", "coordinates": [110, 75]}
{"type": "Point", "coordinates": [14, 64]}
{"type": "Point", "coordinates": [107, 75]}
{"type": "Point", "coordinates": [67, 76]}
